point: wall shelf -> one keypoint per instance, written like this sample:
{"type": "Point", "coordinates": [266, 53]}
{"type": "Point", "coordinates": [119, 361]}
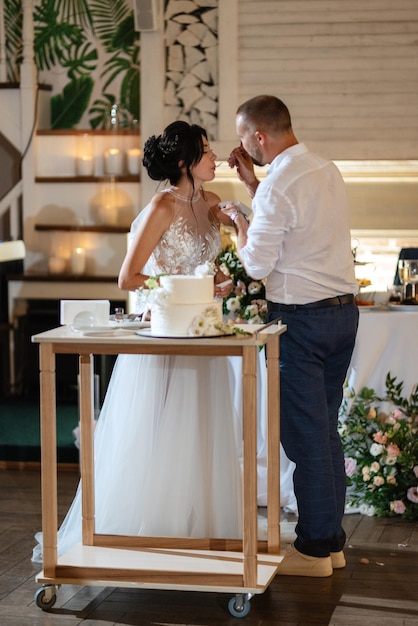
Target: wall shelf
{"type": "Point", "coordinates": [87, 131]}
{"type": "Point", "coordinates": [81, 228]}
{"type": "Point", "coordinates": [86, 179]}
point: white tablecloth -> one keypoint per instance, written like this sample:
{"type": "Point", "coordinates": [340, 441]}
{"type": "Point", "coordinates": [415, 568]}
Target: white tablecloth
{"type": "Point", "coordinates": [387, 341]}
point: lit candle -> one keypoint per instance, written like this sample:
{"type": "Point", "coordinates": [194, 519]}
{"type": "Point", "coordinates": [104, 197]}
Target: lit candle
{"type": "Point", "coordinates": [78, 261]}
{"type": "Point", "coordinates": [133, 156]}
{"type": "Point", "coordinates": [85, 165]}
{"type": "Point", "coordinates": [113, 160]}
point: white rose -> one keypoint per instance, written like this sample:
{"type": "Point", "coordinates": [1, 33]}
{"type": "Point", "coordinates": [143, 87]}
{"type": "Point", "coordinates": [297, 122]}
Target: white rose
{"type": "Point", "coordinates": [254, 287]}
{"type": "Point", "coordinates": [367, 509]}
{"type": "Point", "coordinates": [206, 269]}
{"type": "Point", "coordinates": [376, 449]}
{"type": "Point", "coordinates": [233, 304]}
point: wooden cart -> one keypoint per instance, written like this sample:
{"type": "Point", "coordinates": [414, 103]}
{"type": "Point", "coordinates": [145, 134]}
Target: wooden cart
{"type": "Point", "coordinates": [243, 568]}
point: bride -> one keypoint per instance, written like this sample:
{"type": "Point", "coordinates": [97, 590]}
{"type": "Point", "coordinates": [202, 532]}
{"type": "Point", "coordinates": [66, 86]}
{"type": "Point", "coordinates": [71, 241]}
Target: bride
{"type": "Point", "coordinates": [166, 459]}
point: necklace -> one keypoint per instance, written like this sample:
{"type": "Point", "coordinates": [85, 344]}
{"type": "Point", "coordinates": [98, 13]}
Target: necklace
{"type": "Point", "coordinates": [195, 197]}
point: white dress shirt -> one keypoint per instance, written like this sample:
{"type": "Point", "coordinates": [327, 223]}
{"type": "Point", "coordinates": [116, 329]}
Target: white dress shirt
{"type": "Point", "coordinates": [299, 237]}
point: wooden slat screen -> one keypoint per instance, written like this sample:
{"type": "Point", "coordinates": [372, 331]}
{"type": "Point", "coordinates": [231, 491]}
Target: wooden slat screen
{"type": "Point", "coordinates": [347, 69]}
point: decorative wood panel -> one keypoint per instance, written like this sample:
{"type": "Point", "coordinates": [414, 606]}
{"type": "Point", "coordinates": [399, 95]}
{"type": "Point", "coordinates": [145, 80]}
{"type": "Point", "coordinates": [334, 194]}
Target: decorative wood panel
{"type": "Point", "coordinates": [348, 70]}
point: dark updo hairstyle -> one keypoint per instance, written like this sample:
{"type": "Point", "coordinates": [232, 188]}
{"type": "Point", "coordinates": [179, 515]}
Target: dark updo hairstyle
{"type": "Point", "coordinates": [180, 145]}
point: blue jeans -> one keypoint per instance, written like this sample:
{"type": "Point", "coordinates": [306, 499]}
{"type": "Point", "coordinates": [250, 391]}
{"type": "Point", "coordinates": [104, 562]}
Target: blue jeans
{"type": "Point", "coordinates": [315, 353]}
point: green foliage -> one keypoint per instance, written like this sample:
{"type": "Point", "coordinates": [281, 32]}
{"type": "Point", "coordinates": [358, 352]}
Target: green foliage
{"type": "Point", "coordinates": [381, 450]}
{"type": "Point", "coordinates": [79, 60]}
{"type": "Point", "coordinates": [247, 301]}
{"type": "Point", "coordinates": [13, 27]}
{"type": "Point", "coordinates": [52, 36]}
{"type": "Point", "coordinates": [115, 29]}
{"type": "Point", "coordinates": [67, 108]}
{"type": "Point", "coordinates": [108, 17]}
{"type": "Point", "coordinates": [69, 34]}
{"type": "Point", "coordinates": [76, 11]}
{"type": "Point", "coordinates": [100, 109]}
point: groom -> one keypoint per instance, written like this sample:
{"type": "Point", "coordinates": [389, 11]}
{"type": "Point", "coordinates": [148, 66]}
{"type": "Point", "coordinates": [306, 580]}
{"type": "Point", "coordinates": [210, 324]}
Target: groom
{"type": "Point", "coordinates": [299, 241]}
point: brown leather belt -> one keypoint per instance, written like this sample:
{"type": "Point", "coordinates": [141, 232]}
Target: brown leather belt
{"type": "Point", "coordinates": [347, 298]}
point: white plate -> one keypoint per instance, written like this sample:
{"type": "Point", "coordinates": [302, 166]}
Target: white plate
{"type": "Point", "coordinates": [410, 308]}
{"type": "Point", "coordinates": [111, 327]}
{"type": "Point", "coordinates": [107, 333]}
{"type": "Point", "coordinates": [146, 332]}
{"type": "Point", "coordinates": [130, 325]}
{"type": "Point", "coordinates": [373, 307]}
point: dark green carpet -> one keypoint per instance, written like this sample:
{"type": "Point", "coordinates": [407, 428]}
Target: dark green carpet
{"type": "Point", "coordinates": [20, 431]}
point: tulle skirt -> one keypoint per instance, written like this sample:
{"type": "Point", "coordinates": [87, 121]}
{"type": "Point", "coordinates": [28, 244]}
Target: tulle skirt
{"type": "Point", "coordinates": [166, 451]}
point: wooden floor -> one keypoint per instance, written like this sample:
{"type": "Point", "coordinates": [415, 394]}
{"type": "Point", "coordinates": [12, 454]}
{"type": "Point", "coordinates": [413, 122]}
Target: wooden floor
{"type": "Point", "coordinates": [379, 586]}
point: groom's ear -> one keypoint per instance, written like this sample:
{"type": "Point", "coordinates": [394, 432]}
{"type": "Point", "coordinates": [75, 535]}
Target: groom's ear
{"type": "Point", "coordinates": [181, 164]}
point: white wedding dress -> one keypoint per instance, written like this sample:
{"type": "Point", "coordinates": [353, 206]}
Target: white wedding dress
{"type": "Point", "coordinates": [166, 456]}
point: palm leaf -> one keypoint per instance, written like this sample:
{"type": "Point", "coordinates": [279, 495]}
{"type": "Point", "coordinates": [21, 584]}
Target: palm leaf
{"type": "Point", "coordinates": [108, 15]}
{"type": "Point", "coordinates": [80, 60]}
{"type": "Point", "coordinates": [130, 90]}
{"type": "Point", "coordinates": [125, 37]}
{"type": "Point", "coordinates": [100, 111]}
{"type": "Point", "coordinates": [67, 108]}
{"type": "Point", "coordinates": [13, 27]}
{"type": "Point", "coordinates": [114, 67]}
{"type": "Point", "coordinates": [53, 38]}
{"type": "Point", "coordinates": [76, 12]}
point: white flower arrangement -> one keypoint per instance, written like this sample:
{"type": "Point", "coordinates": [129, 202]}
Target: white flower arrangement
{"type": "Point", "coordinates": [247, 303]}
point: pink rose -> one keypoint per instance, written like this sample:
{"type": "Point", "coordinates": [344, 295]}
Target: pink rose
{"type": "Point", "coordinates": [350, 466]}
{"type": "Point", "coordinates": [397, 506]}
{"type": "Point", "coordinates": [379, 437]}
{"type": "Point", "coordinates": [412, 494]}
{"type": "Point", "coordinates": [397, 414]}
{"type": "Point", "coordinates": [393, 449]}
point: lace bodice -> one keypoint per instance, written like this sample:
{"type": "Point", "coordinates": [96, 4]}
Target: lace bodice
{"type": "Point", "coordinates": [192, 239]}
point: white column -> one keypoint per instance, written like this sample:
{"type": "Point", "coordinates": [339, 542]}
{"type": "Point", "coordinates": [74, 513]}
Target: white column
{"type": "Point", "coordinates": [152, 93]}
{"type": "Point", "coordinates": [28, 98]}
{"type": "Point", "coordinates": [228, 77]}
{"type": "Point", "coordinates": [3, 72]}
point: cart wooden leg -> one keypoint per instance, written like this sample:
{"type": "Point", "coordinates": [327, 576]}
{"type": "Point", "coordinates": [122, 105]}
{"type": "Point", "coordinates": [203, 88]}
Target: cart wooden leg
{"type": "Point", "coordinates": [48, 457]}
{"type": "Point", "coordinates": [249, 398]}
{"type": "Point", "coordinates": [86, 401]}
{"type": "Point", "coordinates": [273, 444]}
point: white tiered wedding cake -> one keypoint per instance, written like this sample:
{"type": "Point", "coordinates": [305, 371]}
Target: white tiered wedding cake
{"type": "Point", "coordinates": [185, 306]}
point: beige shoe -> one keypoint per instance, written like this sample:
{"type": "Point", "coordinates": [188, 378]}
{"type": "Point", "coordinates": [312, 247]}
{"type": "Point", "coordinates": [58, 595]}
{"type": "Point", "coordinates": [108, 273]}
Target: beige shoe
{"type": "Point", "coordinates": [338, 559]}
{"type": "Point", "coordinates": [295, 563]}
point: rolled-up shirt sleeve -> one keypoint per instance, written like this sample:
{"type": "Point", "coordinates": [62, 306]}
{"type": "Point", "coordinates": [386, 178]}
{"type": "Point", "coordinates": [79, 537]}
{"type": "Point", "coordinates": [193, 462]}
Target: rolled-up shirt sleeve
{"type": "Point", "coordinates": [261, 254]}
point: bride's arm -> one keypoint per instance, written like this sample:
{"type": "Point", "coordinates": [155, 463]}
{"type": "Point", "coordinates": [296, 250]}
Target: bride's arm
{"type": "Point", "coordinates": [148, 234]}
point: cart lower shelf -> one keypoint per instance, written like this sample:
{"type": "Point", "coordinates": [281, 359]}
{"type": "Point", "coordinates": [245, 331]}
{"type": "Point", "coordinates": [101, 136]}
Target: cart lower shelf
{"type": "Point", "coordinates": [150, 568]}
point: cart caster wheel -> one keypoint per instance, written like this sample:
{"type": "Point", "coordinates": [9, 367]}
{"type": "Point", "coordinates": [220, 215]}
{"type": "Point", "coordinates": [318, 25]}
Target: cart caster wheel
{"type": "Point", "coordinates": [240, 605]}
{"type": "Point", "coordinates": [46, 597]}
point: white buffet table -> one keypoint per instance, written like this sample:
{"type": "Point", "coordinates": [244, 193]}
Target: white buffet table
{"type": "Point", "coordinates": [387, 341]}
